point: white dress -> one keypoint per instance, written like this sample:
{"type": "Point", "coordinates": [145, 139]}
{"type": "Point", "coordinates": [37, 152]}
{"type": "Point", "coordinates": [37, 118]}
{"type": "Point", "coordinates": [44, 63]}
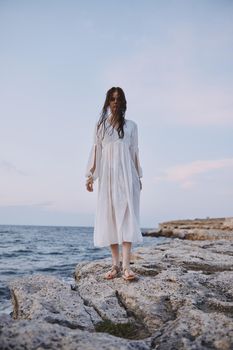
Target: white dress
{"type": "Point", "coordinates": [118, 171]}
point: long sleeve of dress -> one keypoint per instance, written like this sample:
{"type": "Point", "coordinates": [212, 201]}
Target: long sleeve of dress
{"type": "Point", "coordinates": [135, 150]}
{"type": "Point", "coordinates": [94, 158]}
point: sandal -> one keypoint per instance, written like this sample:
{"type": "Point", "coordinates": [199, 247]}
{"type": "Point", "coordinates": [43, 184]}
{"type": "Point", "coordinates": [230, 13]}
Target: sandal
{"type": "Point", "coordinates": [128, 274]}
{"type": "Point", "coordinates": [113, 273]}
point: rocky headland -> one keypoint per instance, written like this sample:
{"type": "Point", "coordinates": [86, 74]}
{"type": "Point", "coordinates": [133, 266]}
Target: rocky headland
{"type": "Point", "coordinates": [182, 299]}
{"type": "Point", "coordinates": [197, 229]}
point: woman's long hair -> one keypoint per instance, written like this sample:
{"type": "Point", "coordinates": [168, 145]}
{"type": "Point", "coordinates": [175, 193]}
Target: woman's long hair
{"type": "Point", "coordinates": [119, 116]}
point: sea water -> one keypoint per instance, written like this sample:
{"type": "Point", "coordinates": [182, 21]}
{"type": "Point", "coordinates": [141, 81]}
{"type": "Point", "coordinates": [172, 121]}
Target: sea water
{"type": "Point", "coordinates": [52, 250]}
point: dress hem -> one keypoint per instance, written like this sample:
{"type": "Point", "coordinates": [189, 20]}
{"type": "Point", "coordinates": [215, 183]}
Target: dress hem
{"type": "Point", "coordinates": [108, 244]}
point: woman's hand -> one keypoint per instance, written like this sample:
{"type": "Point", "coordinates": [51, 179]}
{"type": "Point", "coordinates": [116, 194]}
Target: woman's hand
{"type": "Point", "coordinates": [89, 184]}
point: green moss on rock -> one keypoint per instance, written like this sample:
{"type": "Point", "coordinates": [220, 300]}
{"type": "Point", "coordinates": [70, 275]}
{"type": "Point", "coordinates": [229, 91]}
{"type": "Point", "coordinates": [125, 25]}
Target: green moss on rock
{"type": "Point", "coordinates": [128, 330]}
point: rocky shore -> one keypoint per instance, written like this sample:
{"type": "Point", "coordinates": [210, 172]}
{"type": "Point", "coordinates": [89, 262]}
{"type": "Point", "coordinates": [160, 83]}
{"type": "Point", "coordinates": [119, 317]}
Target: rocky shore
{"type": "Point", "coordinates": [198, 229]}
{"type": "Point", "coordinates": [182, 299]}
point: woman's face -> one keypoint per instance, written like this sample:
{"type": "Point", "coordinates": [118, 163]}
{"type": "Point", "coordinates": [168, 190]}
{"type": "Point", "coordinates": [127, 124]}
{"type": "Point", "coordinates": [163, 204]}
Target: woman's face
{"type": "Point", "coordinates": [114, 102]}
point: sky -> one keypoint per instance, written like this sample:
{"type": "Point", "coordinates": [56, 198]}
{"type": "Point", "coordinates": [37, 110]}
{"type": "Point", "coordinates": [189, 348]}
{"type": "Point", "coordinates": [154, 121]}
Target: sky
{"type": "Point", "coordinates": [173, 60]}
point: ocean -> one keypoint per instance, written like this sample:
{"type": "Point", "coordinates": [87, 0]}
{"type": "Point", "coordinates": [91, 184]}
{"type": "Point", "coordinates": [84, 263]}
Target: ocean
{"type": "Point", "coordinates": [53, 250]}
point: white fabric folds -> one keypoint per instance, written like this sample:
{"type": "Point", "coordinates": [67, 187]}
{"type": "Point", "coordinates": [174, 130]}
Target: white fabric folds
{"type": "Point", "coordinates": [115, 162]}
{"type": "Point", "coordinates": [94, 159]}
{"type": "Point", "coordinates": [135, 150]}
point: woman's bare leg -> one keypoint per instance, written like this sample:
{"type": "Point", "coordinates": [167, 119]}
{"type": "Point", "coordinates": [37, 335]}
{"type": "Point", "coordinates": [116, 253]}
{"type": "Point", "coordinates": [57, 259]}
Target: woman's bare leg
{"type": "Point", "coordinates": [115, 254]}
{"type": "Point", "coordinates": [115, 262]}
{"type": "Point", "coordinates": [126, 251]}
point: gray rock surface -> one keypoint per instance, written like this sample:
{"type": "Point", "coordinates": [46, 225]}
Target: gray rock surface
{"type": "Point", "coordinates": [43, 297]}
{"type": "Point", "coordinates": [182, 299]}
{"type": "Point", "coordinates": [30, 335]}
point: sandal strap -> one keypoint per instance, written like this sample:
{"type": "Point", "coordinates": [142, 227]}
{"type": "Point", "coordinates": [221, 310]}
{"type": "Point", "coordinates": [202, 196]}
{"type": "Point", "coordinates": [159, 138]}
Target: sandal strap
{"type": "Point", "coordinates": [115, 268]}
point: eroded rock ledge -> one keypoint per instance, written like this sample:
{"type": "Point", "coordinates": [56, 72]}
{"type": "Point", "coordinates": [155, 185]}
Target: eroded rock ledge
{"type": "Point", "coordinates": [183, 299]}
{"type": "Point", "coordinates": [198, 229]}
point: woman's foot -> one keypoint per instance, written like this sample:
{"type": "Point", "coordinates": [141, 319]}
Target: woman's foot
{"type": "Point", "coordinates": [113, 273]}
{"type": "Point", "coordinates": [128, 274]}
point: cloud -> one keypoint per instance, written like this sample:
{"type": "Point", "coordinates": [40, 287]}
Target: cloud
{"type": "Point", "coordinates": [20, 204]}
{"type": "Point", "coordinates": [10, 168]}
{"type": "Point", "coordinates": [45, 204]}
{"type": "Point", "coordinates": [186, 174]}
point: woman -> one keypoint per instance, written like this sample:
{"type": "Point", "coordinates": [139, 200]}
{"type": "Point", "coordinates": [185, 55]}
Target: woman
{"type": "Point", "coordinates": [114, 160]}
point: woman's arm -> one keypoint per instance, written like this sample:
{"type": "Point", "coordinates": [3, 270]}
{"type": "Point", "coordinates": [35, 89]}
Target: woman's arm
{"type": "Point", "coordinates": [136, 151]}
{"type": "Point", "coordinates": [94, 159]}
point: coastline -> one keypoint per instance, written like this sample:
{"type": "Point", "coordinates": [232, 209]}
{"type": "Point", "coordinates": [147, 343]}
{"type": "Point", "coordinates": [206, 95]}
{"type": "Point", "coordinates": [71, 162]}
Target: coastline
{"type": "Point", "coordinates": [183, 298]}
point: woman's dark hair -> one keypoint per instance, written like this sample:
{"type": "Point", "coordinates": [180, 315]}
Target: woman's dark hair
{"type": "Point", "coordinates": [119, 117]}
